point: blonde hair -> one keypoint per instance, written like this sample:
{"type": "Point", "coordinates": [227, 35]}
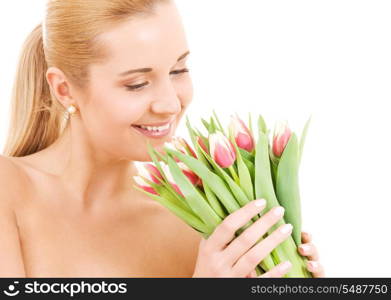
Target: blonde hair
{"type": "Point", "coordinates": [67, 39]}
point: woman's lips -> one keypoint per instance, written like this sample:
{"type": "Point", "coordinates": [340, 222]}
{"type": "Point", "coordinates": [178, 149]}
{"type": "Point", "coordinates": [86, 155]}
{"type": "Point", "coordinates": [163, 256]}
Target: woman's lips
{"type": "Point", "coordinates": [153, 133]}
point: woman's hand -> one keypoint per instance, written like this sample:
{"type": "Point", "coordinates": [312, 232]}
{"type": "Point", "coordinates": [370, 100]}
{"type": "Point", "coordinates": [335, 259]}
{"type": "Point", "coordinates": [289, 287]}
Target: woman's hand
{"type": "Point", "coordinates": [223, 255]}
{"type": "Point", "coordinates": [308, 250]}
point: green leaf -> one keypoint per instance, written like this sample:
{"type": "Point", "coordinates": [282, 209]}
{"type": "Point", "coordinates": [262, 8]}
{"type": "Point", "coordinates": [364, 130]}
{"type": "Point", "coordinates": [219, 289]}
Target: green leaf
{"type": "Point", "coordinates": [161, 156]}
{"type": "Point", "coordinates": [262, 125]}
{"type": "Point", "coordinates": [250, 124]}
{"type": "Point", "coordinates": [303, 137]}
{"type": "Point", "coordinates": [263, 180]}
{"type": "Point", "coordinates": [244, 174]}
{"type": "Point", "coordinates": [287, 186]}
{"type": "Point", "coordinates": [193, 136]}
{"type": "Point", "coordinates": [206, 125]}
{"type": "Point", "coordinates": [247, 155]}
{"type": "Point", "coordinates": [216, 184]}
{"type": "Point", "coordinates": [218, 123]}
{"type": "Point", "coordinates": [167, 191]}
{"type": "Point", "coordinates": [213, 201]}
{"type": "Point", "coordinates": [240, 196]}
{"type": "Point", "coordinates": [264, 189]}
{"type": "Point", "coordinates": [180, 201]}
{"type": "Point", "coordinates": [250, 167]}
{"type": "Point", "coordinates": [195, 200]}
{"type": "Point", "coordinates": [190, 219]}
{"type": "Point", "coordinates": [287, 250]}
{"type": "Point", "coordinates": [212, 126]}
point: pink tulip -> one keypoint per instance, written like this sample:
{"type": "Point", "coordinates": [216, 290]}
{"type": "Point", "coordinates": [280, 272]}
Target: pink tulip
{"type": "Point", "coordinates": [242, 134]}
{"type": "Point", "coordinates": [200, 142]}
{"type": "Point", "coordinates": [181, 145]}
{"type": "Point", "coordinates": [221, 150]}
{"type": "Point", "coordinates": [195, 180]}
{"type": "Point", "coordinates": [170, 178]}
{"type": "Point", "coordinates": [140, 182]}
{"type": "Point", "coordinates": [282, 134]}
{"type": "Point", "coordinates": [149, 171]}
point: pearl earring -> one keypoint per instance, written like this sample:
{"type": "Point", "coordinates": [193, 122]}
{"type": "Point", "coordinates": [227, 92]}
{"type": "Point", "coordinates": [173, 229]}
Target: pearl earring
{"type": "Point", "coordinates": [71, 109]}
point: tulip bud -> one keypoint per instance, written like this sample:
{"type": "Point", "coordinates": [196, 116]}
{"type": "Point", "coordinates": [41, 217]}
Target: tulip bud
{"type": "Point", "coordinates": [144, 185]}
{"type": "Point", "coordinates": [195, 180]}
{"type": "Point", "coordinates": [282, 134]}
{"type": "Point", "coordinates": [149, 171]}
{"type": "Point", "coordinates": [170, 178]}
{"type": "Point", "coordinates": [181, 145]}
{"type": "Point", "coordinates": [200, 142]}
{"type": "Point", "coordinates": [221, 150]}
{"type": "Point", "coordinates": [242, 134]}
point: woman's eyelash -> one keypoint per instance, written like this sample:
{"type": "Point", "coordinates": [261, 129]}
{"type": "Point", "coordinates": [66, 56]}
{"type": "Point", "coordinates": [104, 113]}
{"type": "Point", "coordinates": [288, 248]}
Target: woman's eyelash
{"type": "Point", "coordinates": [138, 86]}
{"type": "Point", "coordinates": [180, 71]}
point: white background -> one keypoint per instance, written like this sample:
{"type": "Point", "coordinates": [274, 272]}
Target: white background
{"type": "Point", "coordinates": [288, 60]}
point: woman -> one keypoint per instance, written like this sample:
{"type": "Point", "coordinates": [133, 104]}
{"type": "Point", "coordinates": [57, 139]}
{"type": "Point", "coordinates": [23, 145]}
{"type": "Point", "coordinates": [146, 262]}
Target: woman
{"type": "Point", "coordinates": [117, 70]}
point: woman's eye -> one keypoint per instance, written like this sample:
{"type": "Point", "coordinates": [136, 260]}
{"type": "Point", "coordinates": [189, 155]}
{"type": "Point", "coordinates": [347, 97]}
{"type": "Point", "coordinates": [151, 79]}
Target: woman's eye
{"type": "Point", "coordinates": [175, 72]}
{"type": "Point", "coordinates": [139, 86]}
{"type": "Point", "coordinates": [136, 86]}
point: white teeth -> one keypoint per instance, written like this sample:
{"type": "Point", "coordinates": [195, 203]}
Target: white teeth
{"type": "Point", "coordinates": [153, 128]}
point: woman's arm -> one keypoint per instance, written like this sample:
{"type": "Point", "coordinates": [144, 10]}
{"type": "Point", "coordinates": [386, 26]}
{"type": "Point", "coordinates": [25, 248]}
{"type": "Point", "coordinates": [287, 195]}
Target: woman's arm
{"type": "Point", "coordinates": [11, 261]}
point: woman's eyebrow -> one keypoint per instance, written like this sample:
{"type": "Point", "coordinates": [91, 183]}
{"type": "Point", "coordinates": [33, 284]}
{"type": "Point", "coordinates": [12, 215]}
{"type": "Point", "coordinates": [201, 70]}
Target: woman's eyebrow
{"type": "Point", "coordinates": [183, 56]}
{"type": "Point", "coordinates": [146, 70]}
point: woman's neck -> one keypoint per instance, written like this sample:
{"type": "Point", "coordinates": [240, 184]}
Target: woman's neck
{"type": "Point", "coordinates": [87, 174]}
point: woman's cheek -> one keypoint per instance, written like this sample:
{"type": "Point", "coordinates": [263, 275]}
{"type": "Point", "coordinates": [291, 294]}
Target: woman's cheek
{"type": "Point", "coordinates": [188, 91]}
{"type": "Point", "coordinates": [128, 111]}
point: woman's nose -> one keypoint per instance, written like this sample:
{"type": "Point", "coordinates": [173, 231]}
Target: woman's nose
{"type": "Point", "coordinates": [166, 100]}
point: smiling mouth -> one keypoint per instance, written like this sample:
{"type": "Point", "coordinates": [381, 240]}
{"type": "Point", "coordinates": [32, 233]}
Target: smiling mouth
{"type": "Point", "coordinates": [154, 128]}
{"type": "Point", "coordinates": [154, 131]}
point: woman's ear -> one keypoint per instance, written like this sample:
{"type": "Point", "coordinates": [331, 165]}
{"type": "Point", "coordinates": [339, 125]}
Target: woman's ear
{"type": "Point", "coordinates": [59, 86]}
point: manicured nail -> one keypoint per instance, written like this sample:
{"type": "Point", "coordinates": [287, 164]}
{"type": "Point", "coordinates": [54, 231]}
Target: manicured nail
{"type": "Point", "coordinates": [286, 228]}
{"type": "Point", "coordinates": [285, 265]}
{"type": "Point", "coordinates": [279, 211]}
{"type": "Point", "coordinates": [260, 202]}
{"type": "Point", "coordinates": [304, 248]}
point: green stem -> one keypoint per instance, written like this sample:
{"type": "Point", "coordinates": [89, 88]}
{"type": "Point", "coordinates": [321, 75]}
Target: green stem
{"type": "Point", "coordinates": [234, 175]}
{"type": "Point", "coordinates": [259, 271]}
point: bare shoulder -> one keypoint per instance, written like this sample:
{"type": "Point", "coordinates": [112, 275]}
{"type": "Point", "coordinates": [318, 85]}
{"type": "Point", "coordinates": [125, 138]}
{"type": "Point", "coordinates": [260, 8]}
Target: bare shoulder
{"type": "Point", "coordinates": [8, 166]}
{"type": "Point", "coordinates": [13, 180]}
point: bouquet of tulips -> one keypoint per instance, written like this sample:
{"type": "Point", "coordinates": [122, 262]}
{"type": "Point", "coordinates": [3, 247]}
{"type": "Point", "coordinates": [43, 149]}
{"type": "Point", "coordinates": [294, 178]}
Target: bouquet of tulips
{"type": "Point", "coordinates": [222, 171]}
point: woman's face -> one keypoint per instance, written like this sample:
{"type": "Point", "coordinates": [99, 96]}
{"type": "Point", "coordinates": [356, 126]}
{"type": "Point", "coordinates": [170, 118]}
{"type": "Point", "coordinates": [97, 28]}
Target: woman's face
{"type": "Point", "coordinates": [143, 83]}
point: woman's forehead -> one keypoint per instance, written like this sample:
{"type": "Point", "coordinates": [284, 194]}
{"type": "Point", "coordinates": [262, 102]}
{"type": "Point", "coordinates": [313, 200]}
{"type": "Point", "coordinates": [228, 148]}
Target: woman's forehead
{"type": "Point", "coordinates": [146, 40]}
{"type": "Point", "coordinates": [163, 27]}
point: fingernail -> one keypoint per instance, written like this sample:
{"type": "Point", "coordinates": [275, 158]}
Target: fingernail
{"type": "Point", "coordinates": [279, 211]}
{"type": "Point", "coordinates": [285, 265]}
{"type": "Point", "coordinates": [260, 202]}
{"type": "Point", "coordinates": [304, 248]}
{"type": "Point", "coordinates": [286, 228]}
